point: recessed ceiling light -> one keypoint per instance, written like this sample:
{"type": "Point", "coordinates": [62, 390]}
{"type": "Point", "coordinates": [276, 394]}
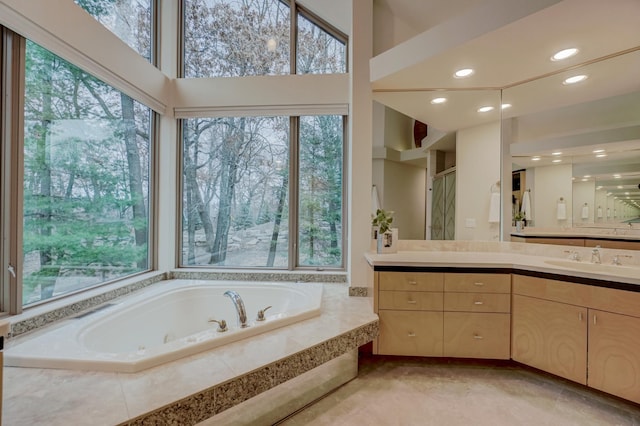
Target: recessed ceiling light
{"type": "Point", "coordinates": [505, 106]}
{"type": "Point", "coordinates": [601, 155]}
{"type": "Point", "coordinates": [438, 100]}
{"type": "Point", "coordinates": [617, 176]}
{"type": "Point", "coordinates": [535, 158]}
{"type": "Point", "coordinates": [556, 153]}
{"type": "Point", "coordinates": [599, 187]}
{"type": "Point", "coordinates": [598, 151]}
{"type": "Point", "coordinates": [464, 72]}
{"type": "Point", "coordinates": [575, 79]}
{"type": "Point", "coordinates": [626, 193]}
{"type": "Point", "coordinates": [557, 160]}
{"type": "Point", "coordinates": [585, 180]}
{"type": "Point", "coordinates": [485, 109]}
{"type": "Point", "coordinates": [564, 54]}
{"type": "Point", "coordinates": [587, 176]}
{"type": "Point", "coordinates": [619, 186]}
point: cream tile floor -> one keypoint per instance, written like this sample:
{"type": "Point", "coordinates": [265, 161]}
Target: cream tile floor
{"type": "Point", "coordinates": [412, 391]}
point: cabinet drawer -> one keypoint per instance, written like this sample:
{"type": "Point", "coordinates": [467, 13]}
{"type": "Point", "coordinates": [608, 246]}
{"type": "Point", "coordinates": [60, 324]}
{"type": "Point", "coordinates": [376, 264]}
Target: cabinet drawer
{"type": "Point", "coordinates": [477, 335]}
{"type": "Point", "coordinates": [477, 302]}
{"type": "Point", "coordinates": [411, 300]}
{"type": "Point", "coordinates": [411, 281]}
{"type": "Point", "coordinates": [477, 283]}
{"type": "Point", "coordinates": [410, 333]}
{"type": "Point", "coordinates": [556, 291]}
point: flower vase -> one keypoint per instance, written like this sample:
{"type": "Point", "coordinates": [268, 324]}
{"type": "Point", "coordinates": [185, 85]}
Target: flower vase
{"type": "Point", "coordinates": [519, 225]}
{"type": "Point", "coordinates": [388, 241]}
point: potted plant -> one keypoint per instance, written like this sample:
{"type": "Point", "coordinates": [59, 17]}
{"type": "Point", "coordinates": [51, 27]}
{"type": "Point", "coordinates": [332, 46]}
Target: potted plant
{"type": "Point", "coordinates": [386, 237]}
{"type": "Point", "coordinates": [518, 217]}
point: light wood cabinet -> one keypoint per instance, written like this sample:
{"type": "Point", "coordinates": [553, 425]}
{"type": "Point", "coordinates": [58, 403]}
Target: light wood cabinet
{"type": "Point", "coordinates": [443, 314]}
{"type": "Point", "coordinates": [551, 336]}
{"type": "Point", "coordinates": [614, 354]}
{"type": "Point", "coordinates": [410, 333]}
{"type": "Point", "coordinates": [585, 333]}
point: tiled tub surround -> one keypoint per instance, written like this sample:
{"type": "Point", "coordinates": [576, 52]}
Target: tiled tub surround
{"type": "Point", "coordinates": [165, 322]}
{"type": "Point", "coordinates": [195, 388]}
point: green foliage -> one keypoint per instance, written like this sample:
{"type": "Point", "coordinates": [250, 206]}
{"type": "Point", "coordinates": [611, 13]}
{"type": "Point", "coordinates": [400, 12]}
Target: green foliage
{"type": "Point", "coordinates": [382, 220]}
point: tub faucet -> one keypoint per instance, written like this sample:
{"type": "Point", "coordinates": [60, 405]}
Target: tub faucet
{"type": "Point", "coordinates": [239, 304]}
{"type": "Point", "coordinates": [595, 255]}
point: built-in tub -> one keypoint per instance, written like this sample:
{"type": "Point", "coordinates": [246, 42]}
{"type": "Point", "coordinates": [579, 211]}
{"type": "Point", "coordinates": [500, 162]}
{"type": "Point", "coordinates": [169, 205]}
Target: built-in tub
{"type": "Point", "coordinates": [167, 321]}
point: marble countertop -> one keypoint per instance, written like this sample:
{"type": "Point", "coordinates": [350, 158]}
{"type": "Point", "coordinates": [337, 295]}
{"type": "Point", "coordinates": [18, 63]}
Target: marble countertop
{"type": "Point", "coordinates": [521, 256]}
{"type": "Point", "coordinates": [622, 234]}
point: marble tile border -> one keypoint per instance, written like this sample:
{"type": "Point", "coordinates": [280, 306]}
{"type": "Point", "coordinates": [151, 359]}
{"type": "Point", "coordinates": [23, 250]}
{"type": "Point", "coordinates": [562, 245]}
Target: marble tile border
{"type": "Point", "coordinates": [359, 291]}
{"type": "Point", "coordinates": [209, 402]}
{"type": "Point", "coordinates": [305, 277]}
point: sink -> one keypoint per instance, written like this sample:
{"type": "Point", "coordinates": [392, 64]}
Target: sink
{"type": "Point", "coordinates": [599, 268]}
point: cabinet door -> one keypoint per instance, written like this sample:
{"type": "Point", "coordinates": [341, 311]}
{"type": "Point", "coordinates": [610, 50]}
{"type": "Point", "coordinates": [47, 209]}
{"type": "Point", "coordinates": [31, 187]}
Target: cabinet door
{"type": "Point", "coordinates": [550, 336]}
{"type": "Point", "coordinates": [410, 333]}
{"type": "Point", "coordinates": [614, 354]}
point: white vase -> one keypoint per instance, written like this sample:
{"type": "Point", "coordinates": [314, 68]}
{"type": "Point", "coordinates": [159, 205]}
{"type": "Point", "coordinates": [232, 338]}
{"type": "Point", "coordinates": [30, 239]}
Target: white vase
{"type": "Point", "coordinates": [388, 241]}
{"type": "Point", "coordinates": [519, 225]}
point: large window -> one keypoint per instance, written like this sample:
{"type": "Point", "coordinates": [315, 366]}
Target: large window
{"type": "Point", "coordinates": [238, 192]}
{"type": "Point", "coordinates": [131, 20]}
{"type": "Point", "coordinates": [236, 38]}
{"type": "Point", "coordinates": [86, 180]}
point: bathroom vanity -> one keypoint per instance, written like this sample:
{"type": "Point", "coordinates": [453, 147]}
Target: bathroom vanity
{"type": "Point", "coordinates": [580, 325]}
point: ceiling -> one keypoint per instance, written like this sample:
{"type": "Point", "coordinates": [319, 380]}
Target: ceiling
{"type": "Point", "coordinates": [510, 52]}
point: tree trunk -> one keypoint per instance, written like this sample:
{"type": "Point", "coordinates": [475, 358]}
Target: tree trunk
{"type": "Point", "coordinates": [140, 222]}
{"type": "Point", "coordinates": [278, 218]}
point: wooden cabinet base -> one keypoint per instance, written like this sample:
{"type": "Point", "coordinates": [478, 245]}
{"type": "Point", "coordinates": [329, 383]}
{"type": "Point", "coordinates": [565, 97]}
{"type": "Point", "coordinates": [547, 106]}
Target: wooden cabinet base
{"type": "Point", "coordinates": [477, 335]}
{"type": "Point", "coordinates": [410, 333]}
{"type": "Point", "coordinates": [614, 363]}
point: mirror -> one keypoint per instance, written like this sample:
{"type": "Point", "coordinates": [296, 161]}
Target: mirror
{"type": "Point", "coordinates": [578, 145]}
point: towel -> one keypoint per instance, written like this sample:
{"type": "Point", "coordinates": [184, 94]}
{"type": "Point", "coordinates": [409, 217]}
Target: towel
{"type": "Point", "coordinates": [494, 208]}
{"type": "Point", "coordinates": [585, 212]}
{"type": "Point", "coordinates": [526, 206]}
{"type": "Point", "coordinates": [562, 211]}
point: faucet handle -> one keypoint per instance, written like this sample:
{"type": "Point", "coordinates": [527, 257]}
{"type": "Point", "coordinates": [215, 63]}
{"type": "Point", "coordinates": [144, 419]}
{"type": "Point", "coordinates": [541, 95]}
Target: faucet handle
{"type": "Point", "coordinates": [222, 325]}
{"type": "Point", "coordinates": [261, 312]}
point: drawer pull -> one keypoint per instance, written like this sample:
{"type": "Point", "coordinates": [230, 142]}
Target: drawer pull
{"type": "Point", "coordinates": [477, 337]}
{"type": "Point", "coordinates": [478, 303]}
{"type": "Point", "coordinates": [412, 302]}
{"type": "Point", "coordinates": [411, 334]}
{"type": "Point", "coordinates": [479, 284]}
{"type": "Point", "coordinates": [595, 321]}
{"type": "Point", "coordinates": [580, 316]}
{"type": "Point", "coordinates": [413, 282]}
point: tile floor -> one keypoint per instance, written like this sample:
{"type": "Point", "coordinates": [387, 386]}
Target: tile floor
{"type": "Point", "coordinates": [413, 391]}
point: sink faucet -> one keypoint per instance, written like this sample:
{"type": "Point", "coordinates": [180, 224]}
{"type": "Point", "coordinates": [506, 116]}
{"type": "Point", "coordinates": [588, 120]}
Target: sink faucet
{"type": "Point", "coordinates": [595, 255]}
{"type": "Point", "coordinates": [239, 304]}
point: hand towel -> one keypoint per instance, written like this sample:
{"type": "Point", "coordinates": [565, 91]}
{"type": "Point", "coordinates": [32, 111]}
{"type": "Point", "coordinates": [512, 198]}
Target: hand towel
{"type": "Point", "coordinates": [526, 206]}
{"type": "Point", "coordinates": [562, 211]}
{"type": "Point", "coordinates": [494, 208]}
{"type": "Point", "coordinates": [585, 212]}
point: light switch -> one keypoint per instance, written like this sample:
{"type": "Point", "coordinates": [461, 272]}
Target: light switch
{"type": "Point", "coordinates": [470, 223]}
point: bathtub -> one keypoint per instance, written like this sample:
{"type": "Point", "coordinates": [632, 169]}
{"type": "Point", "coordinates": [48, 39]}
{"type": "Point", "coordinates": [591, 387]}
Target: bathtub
{"type": "Point", "coordinates": [162, 323]}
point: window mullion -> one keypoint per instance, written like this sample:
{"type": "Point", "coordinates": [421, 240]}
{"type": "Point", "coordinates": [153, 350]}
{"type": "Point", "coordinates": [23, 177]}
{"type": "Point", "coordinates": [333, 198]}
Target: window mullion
{"type": "Point", "coordinates": [294, 155]}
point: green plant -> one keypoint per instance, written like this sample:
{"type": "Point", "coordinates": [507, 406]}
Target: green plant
{"type": "Point", "coordinates": [518, 216]}
{"type": "Point", "coordinates": [382, 219]}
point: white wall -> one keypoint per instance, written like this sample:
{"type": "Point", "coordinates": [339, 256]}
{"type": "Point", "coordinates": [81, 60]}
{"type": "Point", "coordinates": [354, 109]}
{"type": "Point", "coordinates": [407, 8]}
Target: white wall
{"type": "Point", "coordinates": [552, 183]}
{"type": "Point", "coordinates": [584, 192]}
{"type": "Point", "coordinates": [478, 165]}
{"type": "Point", "coordinates": [404, 194]}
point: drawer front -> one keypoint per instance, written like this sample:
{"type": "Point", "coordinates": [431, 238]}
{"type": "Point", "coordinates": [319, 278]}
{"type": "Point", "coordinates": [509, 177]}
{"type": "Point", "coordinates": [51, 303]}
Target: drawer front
{"type": "Point", "coordinates": [477, 335]}
{"type": "Point", "coordinates": [477, 283]}
{"type": "Point", "coordinates": [477, 302]}
{"type": "Point", "coordinates": [410, 300]}
{"type": "Point", "coordinates": [556, 291]}
{"type": "Point", "coordinates": [410, 333]}
{"type": "Point", "coordinates": [411, 281]}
